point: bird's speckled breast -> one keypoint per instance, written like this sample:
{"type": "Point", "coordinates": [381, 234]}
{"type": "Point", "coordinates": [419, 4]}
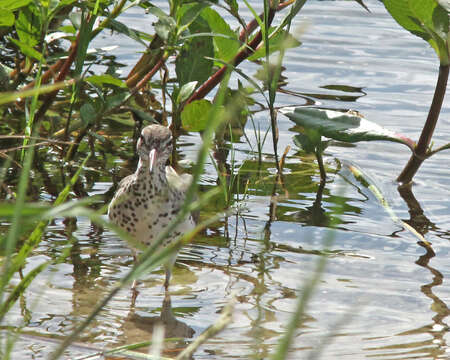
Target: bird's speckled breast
{"type": "Point", "coordinates": [143, 208]}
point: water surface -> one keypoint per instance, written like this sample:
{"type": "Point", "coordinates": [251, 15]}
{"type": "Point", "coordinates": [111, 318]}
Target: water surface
{"type": "Point", "coordinates": [382, 295]}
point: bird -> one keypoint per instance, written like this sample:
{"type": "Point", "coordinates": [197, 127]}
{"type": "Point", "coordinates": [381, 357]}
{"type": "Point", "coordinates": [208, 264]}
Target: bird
{"type": "Point", "coordinates": [146, 201]}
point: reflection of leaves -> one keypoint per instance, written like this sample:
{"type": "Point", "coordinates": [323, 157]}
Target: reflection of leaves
{"type": "Point", "coordinates": [303, 203]}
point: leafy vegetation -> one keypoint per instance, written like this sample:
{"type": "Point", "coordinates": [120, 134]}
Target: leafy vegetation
{"type": "Point", "coordinates": [66, 105]}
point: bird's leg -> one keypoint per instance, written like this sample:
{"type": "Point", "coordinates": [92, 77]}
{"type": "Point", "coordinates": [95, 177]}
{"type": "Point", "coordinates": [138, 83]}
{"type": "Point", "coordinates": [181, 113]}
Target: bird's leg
{"type": "Point", "coordinates": [134, 290]}
{"type": "Point", "coordinates": [167, 280]}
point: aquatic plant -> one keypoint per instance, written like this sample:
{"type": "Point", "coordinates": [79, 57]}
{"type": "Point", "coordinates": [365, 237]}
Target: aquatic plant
{"type": "Point", "coordinates": [428, 20]}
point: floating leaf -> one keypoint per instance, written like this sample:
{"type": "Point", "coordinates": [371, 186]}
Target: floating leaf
{"type": "Point", "coordinates": [343, 126]}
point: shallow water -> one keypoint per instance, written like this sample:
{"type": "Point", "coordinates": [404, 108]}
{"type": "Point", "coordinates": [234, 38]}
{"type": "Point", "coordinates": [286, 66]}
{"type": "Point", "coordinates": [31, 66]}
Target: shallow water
{"type": "Point", "coordinates": [382, 294]}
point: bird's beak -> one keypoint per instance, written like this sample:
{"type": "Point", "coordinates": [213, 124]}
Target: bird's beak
{"type": "Point", "coordinates": [152, 160]}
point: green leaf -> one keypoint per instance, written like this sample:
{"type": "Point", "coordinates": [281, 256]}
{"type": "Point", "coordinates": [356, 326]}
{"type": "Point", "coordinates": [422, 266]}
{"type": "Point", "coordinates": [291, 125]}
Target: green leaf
{"type": "Point", "coordinates": [142, 116]}
{"type": "Point", "coordinates": [305, 142]}
{"type": "Point", "coordinates": [116, 100]}
{"type": "Point", "coordinates": [100, 80]}
{"type": "Point", "coordinates": [186, 91]}
{"type": "Point", "coordinates": [195, 115]}
{"type": "Point", "coordinates": [28, 26]}
{"type": "Point", "coordinates": [123, 29]}
{"type": "Point", "coordinates": [165, 25]}
{"type": "Point", "coordinates": [88, 113]}
{"type": "Point", "coordinates": [225, 48]}
{"type": "Point", "coordinates": [425, 19]}
{"type": "Point", "coordinates": [191, 63]}
{"type": "Point", "coordinates": [13, 4]}
{"type": "Point", "coordinates": [187, 15]}
{"type": "Point", "coordinates": [28, 50]}
{"type": "Point", "coordinates": [342, 126]}
{"type": "Point", "coordinates": [6, 17]}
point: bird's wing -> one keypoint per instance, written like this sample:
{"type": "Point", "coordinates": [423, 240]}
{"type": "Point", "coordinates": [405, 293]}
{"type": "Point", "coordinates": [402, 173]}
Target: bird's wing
{"type": "Point", "coordinates": [180, 182]}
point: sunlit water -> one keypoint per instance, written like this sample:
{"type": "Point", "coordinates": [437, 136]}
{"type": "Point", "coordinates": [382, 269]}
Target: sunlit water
{"type": "Point", "coordinates": [382, 294]}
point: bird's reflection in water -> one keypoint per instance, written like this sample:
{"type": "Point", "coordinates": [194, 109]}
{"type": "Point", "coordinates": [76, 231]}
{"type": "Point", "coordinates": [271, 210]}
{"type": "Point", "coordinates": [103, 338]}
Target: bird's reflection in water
{"type": "Point", "coordinates": [139, 326]}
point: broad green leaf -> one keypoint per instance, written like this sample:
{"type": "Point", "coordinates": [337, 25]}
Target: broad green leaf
{"type": "Point", "coordinates": [195, 115]}
{"type": "Point", "coordinates": [343, 126]}
{"type": "Point", "coordinates": [13, 4]}
{"type": "Point", "coordinates": [186, 91]}
{"type": "Point", "coordinates": [187, 14]}
{"type": "Point", "coordinates": [425, 19]}
{"type": "Point", "coordinates": [191, 63]}
{"type": "Point", "coordinates": [280, 40]}
{"type": "Point", "coordinates": [6, 17]}
{"type": "Point", "coordinates": [99, 80]}
{"type": "Point", "coordinates": [225, 48]}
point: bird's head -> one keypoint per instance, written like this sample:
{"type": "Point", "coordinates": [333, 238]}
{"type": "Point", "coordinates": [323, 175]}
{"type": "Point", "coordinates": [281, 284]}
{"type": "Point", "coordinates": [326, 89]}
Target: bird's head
{"type": "Point", "coordinates": [154, 146]}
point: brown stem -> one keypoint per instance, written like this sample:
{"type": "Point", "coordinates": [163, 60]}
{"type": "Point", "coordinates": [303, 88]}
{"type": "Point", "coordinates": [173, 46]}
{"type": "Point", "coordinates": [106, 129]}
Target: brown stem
{"type": "Point", "coordinates": [241, 56]}
{"type": "Point", "coordinates": [421, 149]}
{"type": "Point", "coordinates": [150, 74]}
{"type": "Point", "coordinates": [252, 25]}
{"type": "Point", "coordinates": [64, 71]}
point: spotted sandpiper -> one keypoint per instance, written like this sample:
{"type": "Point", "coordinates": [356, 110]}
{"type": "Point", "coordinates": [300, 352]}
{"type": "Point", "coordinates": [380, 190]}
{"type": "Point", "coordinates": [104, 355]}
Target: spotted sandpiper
{"type": "Point", "coordinates": [146, 201]}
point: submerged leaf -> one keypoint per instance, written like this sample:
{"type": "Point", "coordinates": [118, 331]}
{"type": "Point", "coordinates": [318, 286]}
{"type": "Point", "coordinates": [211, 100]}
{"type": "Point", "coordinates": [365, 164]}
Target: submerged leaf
{"type": "Point", "coordinates": [343, 126]}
